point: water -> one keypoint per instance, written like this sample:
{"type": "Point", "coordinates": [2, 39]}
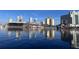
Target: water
{"type": "Point", "coordinates": [39, 39]}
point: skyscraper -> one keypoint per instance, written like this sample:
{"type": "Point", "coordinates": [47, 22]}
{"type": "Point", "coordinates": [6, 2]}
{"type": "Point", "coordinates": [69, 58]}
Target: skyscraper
{"type": "Point", "coordinates": [71, 19]}
{"type": "Point", "coordinates": [30, 20]}
{"type": "Point", "coordinates": [75, 17]}
{"type": "Point", "coordinates": [49, 21]}
{"type": "Point", "coordinates": [19, 19]}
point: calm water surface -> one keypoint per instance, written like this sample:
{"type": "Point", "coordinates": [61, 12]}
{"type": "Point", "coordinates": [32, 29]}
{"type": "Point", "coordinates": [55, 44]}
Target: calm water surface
{"type": "Point", "coordinates": [39, 39]}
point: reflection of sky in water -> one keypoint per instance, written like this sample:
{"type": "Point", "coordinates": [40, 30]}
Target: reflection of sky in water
{"type": "Point", "coordinates": [35, 39]}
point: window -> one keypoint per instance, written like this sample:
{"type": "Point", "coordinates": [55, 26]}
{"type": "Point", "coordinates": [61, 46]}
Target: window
{"type": "Point", "coordinates": [76, 19]}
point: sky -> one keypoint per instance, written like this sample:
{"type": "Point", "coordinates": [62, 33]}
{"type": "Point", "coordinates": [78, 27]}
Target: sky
{"type": "Point", "coordinates": [39, 14]}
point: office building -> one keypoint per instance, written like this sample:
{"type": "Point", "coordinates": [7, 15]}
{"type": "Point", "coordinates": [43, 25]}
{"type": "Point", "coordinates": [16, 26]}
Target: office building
{"type": "Point", "coordinates": [30, 20]}
{"type": "Point", "coordinates": [71, 19]}
{"type": "Point", "coordinates": [49, 21]}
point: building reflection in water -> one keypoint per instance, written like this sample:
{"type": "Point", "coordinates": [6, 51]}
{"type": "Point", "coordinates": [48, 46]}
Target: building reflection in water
{"type": "Point", "coordinates": [33, 32]}
{"type": "Point", "coordinates": [50, 34]}
{"type": "Point", "coordinates": [75, 41]}
{"type": "Point", "coordinates": [9, 33]}
{"type": "Point", "coordinates": [71, 37]}
{"type": "Point", "coordinates": [66, 36]}
{"type": "Point", "coordinates": [17, 33]}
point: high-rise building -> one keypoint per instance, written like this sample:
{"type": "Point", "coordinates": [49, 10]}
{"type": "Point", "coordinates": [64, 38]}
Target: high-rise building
{"type": "Point", "coordinates": [71, 19]}
{"type": "Point", "coordinates": [43, 22]}
{"type": "Point", "coordinates": [19, 19]}
{"type": "Point", "coordinates": [30, 20]}
{"type": "Point", "coordinates": [49, 21]}
{"type": "Point", "coordinates": [75, 17]}
{"type": "Point", "coordinates": [10, 20]}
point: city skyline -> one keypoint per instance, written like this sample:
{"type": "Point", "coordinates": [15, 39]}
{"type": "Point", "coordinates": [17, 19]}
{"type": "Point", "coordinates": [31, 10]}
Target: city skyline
{"type": "Point", "coordinates": [39, 14]}
{"type": "Point", "coordinates": [23, 31]}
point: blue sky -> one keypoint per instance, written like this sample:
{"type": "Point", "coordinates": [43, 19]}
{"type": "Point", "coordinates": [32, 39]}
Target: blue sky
{"type": "Point", "coordinates": [39, 14]}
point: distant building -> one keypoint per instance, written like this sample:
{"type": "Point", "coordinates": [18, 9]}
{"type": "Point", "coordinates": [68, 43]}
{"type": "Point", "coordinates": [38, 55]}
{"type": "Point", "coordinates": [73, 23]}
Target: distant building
{"type": "Point", "coordinates": [16, 24]}
{"type": "Point", "coordinates": [33, 23]}
{"type": "Point", "coordinates": [19, 19]}
{"type": "Point", "coordinates": [30, 20]}
{"type": "Point", "coordinates": [43, 22]}
{"type": "Point", "coordinates": [71, 19]}
{"type": "Point", "coordinates": [10, 20]}
{"type": "Point", "coordinates": [49, 21]}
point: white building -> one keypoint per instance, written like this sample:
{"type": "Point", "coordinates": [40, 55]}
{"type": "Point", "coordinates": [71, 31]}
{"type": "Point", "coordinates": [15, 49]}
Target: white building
{"type": "Point", "coordinates": [10, 20]}
{"type": "Point", "coordinates": [75, 18]}
{"type": "Point", "coordinates": [30, 20]}
{"type": "Point", "coordinates": [20, 19]}
{"type": "Point", "coordinates": [71, 19]}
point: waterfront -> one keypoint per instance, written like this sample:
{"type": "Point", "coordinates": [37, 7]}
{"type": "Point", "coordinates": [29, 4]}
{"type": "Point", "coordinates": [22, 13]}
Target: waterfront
{"type": "Point", "coordinates": [42, 32]}
{"type": "Point", "coordinates": [39, 39]}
